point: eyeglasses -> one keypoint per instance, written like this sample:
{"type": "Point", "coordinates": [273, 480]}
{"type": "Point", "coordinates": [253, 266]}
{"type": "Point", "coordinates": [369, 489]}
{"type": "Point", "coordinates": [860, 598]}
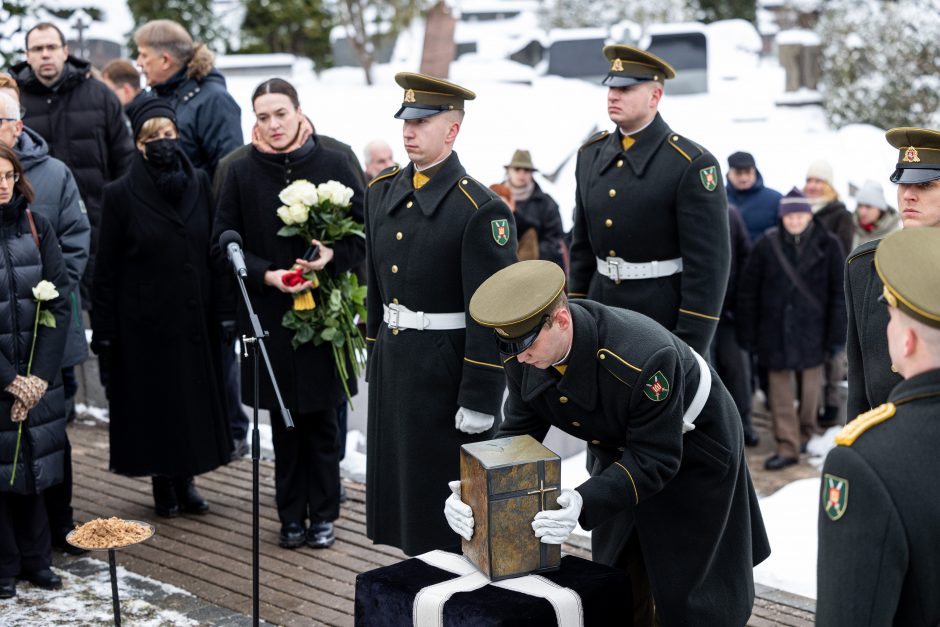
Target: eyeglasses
{"type": "Point", "coordinates": [10, 177]}
{"type": "Point", "coordinates": [46, 48]}
{"type": "Point", "coordinates": [519, 345]}
{"type": "Point", "coordinates": [2, 120]}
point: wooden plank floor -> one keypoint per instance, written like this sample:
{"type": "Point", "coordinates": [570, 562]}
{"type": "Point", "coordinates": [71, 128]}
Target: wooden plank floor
{"type": "Point", "coordinates": [210, 556]}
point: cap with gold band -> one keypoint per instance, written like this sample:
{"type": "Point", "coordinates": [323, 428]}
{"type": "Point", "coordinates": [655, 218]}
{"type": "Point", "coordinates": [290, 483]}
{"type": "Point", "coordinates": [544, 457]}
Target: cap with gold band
{"type": "Point", "coordinates": [918, 154]}
{"type": "Point", "coordinates": [629, 66]}
{"type": "Point", "coordinates": [426, 96]}
{"type": "Point", "coordinates": [516, 301]}
{"type": "Point", "coordinates": [907, 261]}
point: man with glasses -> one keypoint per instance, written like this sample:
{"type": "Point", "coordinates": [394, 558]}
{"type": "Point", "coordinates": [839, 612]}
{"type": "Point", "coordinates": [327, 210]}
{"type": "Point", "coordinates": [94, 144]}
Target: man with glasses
{"type": "Point", "coordinates": [669, 475]}
{"type": "Point", "coordinates": [82, 123]}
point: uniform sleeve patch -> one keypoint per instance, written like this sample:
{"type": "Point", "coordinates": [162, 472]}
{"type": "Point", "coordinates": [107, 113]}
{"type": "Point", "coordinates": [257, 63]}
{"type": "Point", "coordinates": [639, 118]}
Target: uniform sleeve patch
{"type": "Point", "coordinates": [500, 231]}
{"type": "Point", "coordinates": [657, 387]}
{"type": "Point", "coordinates": [835, 497]}
{"type": "Point", "coordinates": [709, 177]}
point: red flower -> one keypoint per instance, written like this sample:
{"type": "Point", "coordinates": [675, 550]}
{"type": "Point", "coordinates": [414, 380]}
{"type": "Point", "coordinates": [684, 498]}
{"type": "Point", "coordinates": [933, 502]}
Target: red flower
{"type": "Point", "coordinates": [292, 278]}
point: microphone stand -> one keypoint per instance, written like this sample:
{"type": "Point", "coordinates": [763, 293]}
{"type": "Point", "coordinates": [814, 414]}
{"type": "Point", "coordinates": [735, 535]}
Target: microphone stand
{"type": "Point", "coordinates": [255, 342]}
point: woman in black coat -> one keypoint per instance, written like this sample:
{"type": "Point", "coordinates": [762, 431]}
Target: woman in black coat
{"type": "Point", "coordinates": [29, 253]}
{"type": "Point", "coordinates": [793, 319]}
{"type": "Point", "coordinates": [307, 458]}
{"type": "Point", "coordinates": [157, 320]}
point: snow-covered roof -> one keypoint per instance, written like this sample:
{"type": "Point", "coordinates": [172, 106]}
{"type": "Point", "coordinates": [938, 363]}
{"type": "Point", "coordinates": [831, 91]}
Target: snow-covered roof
{"type": "Point", "coordinates": [798, 37]}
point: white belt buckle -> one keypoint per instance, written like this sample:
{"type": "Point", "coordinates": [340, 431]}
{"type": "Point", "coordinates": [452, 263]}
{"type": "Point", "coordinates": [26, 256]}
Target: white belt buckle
{"type": "Point", "coordinates": [393, 314]}
{"type": "Point", "coordinates": [613, 269]}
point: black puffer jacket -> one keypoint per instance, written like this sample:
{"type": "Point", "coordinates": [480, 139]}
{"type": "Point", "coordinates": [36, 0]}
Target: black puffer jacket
{"type": "Point", "coordinates": [791, 329]}
{"type": "Point", "coordinates": [22, 266]}
{"type": "Point", "coordinates": [82, 121]}
{"type": "Point", "coordinates": [541, 211]}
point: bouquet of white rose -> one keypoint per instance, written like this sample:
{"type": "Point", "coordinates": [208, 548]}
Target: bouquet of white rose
{"type": "Point", "coordinates": [321, 212]}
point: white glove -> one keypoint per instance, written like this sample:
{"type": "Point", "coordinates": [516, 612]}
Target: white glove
{"type": "Point", "coordinates": [554, 526]}
{"type": "Point", "coordinates": [470, 421]}
{"type": "Point", "coordinates": [458, 514]}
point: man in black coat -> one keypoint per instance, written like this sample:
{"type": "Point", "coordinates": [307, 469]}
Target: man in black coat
{"type": "Point", "coordinates": [536, 208]}
{"type": "Point", "coordinates": [917, 174]}
{"type": "Point", "coordinates": [83, 124]}
{"type": "Point", "coordinates": [879, 542]}
{"type": "Point", "coordinates": [651, 218]}
{"type": "Point", "coordinates": [669, 470]}
{"type": "Point", "coordinates": [433, 234]}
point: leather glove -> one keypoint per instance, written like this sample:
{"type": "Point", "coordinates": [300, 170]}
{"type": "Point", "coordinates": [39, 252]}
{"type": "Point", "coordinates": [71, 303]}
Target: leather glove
{"type": "Point", "coordinates": [458, 514]}
{"type": "Point", "coordinates": [27, 390]}
{"type": "Point", "coordinates": [554, 526]}
{"type": "Point", "coordinates": [470, 421]}
{"type": "Point", "coordinates": [229, 331]}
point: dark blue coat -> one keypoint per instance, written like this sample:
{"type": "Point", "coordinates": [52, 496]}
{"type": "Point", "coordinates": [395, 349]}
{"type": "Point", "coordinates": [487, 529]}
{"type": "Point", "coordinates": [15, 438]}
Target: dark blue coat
{"type": "Point", "coordinates": [758, 206]}
{"type": "Point", "coordinates": [208, 119]}
{"type": "Point", "coordinates": [22, 266]}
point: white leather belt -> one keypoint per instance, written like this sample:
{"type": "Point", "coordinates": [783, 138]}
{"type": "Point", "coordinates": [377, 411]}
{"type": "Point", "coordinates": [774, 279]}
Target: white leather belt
{"type": "Point", "coordinates": [616, 269]}
{"type": "Point", "coordinates": [701, 394]}
{"type": "Point", "coordinates": [400, 317]}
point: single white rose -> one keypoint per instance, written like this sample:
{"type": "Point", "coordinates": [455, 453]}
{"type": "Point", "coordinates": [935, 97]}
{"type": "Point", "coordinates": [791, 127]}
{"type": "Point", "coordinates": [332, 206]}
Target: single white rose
{"type": "Point", "coordinates": [289, 195]}
{"type": "Point", "coordinates": [306, 192]}
{"type": "Point", "coordinates": [335, 192]}
{"type": "Point", "coordinates": [299, 213]}
{"type": "Point", "coordinates": [45, 291]}
{"type": "Point", "coordinates": [283, 212]}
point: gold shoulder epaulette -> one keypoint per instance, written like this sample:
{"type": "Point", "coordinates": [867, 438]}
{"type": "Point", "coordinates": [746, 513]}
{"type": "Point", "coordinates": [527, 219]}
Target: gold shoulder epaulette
{"type": "Point", "coordinates": [620, 368]}
{"type": "Point", "coordinates": [475, 191]}
{"type": "Point", "coordinates": [596, 137]}
{"type": "Point", "coordinates": [864, 422]}
{"type": "Point", "coordinates": [685, 147]}
{"type": "Point", "coordinates": [384, 174]}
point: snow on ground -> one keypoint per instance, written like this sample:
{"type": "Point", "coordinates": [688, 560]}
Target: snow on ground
{"type": "Point", "coordinates": [790, 516]}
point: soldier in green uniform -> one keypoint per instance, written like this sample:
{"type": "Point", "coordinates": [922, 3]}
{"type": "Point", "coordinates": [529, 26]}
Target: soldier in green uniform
{"type": "Point", "coordinates": [879, 519]}
{"type": "Point", "coordinates": [651, 216]}
{"type": "Point", "coordinates": [433, 234]}
{"type": "Point", "coordinates": [917, 175]}
{"type": "Point", "coordinates": [667, 439]}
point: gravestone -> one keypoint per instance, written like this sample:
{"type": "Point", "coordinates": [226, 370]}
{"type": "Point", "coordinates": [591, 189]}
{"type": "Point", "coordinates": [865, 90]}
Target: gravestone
{"type": "Point", "coordinates": [687, 52]}
{"type": "Point", "coordinates": [439, 48]}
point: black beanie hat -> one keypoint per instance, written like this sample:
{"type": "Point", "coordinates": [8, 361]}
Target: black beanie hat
{"type": "Point", "coordinates": [149, 109]}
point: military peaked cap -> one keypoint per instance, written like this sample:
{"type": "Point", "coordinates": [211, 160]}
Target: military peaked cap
{"type": "Point", "coordinates": [907, 262]}
{"type": "Point", "coordinates": [919, 154]}
{"type": "Point", "coordinates": [629, 66]}
{"type": "Point", "coordinates": [515, 301]}
{"type": "Point", "coordinates": [426, 96]}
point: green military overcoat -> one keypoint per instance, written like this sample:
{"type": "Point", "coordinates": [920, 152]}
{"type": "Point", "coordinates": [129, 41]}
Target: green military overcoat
{"type": "Point", "coordinates": [870, 376]}
{"type": "Point", "coordinates": [879, 518]}
{"type": "Point", "coordinates": [661, 199]}
{"type": "Point", "coordinates": [689, 497]}
{"type": "Point", "coordinates": [428, 250]}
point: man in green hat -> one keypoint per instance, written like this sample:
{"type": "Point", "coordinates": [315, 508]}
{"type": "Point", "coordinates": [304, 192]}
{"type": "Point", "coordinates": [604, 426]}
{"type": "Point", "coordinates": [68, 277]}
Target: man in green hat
{"type": "Point", "coordinates": [879, 538]}
{"type": "Point", "coordinates": [535, 208]}
{"type": "Point", "coordinates": [669, 476]}
{"type": "Point", "coordinates": [917, 175]}
{"type": "Point", "coordinates": [651, 216]}
{"type": "Point", "coordinates": [433, 234]}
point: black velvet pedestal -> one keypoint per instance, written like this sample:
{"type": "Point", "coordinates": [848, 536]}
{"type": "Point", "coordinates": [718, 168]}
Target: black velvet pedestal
{"type": "Point", "coordinates": [385, 597]}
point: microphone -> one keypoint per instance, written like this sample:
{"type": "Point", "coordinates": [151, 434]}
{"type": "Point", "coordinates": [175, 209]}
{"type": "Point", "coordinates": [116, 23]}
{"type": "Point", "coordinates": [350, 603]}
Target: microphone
{"type": "Point", "coordinates": [231, 242]}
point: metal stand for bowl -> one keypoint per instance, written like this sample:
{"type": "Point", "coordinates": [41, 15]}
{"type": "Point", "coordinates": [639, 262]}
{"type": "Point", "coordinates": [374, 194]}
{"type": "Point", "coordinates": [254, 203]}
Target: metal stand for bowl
{"type": "Point", "coordinates": [112, 565]}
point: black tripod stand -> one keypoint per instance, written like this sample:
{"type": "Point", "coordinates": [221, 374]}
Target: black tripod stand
{"type": "Point", "coordinates": [231, 241]}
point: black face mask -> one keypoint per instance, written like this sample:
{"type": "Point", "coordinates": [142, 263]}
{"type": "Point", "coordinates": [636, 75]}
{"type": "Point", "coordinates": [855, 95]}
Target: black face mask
{"type": "Point", "coordinates": [162, 153]}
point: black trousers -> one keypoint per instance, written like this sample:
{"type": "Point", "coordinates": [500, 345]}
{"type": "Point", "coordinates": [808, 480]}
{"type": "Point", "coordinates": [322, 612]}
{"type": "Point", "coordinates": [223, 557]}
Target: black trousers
{"type": "Point", "coordinates": [306, 467]}
{"type": "Point", "coordinates": [58, 500]}
{"type": "Point", "coordinates": [733, 365]}
{"type": "Point", "coordinates": [25, 544]}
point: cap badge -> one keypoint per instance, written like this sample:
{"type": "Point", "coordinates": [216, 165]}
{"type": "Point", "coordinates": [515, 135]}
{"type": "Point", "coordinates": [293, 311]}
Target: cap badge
{"type": "Point", "coordinates": [616, 65]}
{"type": "Point", "coordinates": [410, 95]}
{"type": "Point", "coordinates": [910, 155]}
{"type": "Point", "coordinates": [835, 496]}
{"type": "Point", "coordinates": [501, 332]}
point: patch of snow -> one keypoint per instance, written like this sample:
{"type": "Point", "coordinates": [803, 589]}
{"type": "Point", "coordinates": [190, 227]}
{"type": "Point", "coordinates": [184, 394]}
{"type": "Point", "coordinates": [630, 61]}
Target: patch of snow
{"type": "Point", "coordinates": [99, 414]}
{"type": "Point", "coordinates": [353, 465]}
{"type": "Point", "coordinates": [790, 516]}
{"type": "Point", "coordinates": [798, 37]}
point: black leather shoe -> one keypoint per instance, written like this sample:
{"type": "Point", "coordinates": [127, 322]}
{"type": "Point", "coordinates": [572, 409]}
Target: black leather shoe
{"type": "Point", "coordinates": [751, 439]}
{"type": "Point", "coordinates": [44, 578]}
{"type": "Point", "coordinates": [320, 535]}
{"type": "Point", "coordinates": [165, 503]}
{"type": "Point", "coordinates": [188, 497]}
{"type": "Point", "coordinates": [7, 588]}
{"type": "Point", "coordinates": [803, 447]}
{"type": "Point", "coordinates": [291, 536]}
{"type": "Point", "coordinates": [779, 463]}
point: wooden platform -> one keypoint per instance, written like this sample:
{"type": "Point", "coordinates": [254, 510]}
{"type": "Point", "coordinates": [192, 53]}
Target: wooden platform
{"type": "Point", "coordinates": [210, 556]}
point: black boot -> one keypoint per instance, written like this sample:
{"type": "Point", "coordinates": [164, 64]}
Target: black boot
{"type": "Point", "coordinates": [165, 503]}
{"type": "Point", "coordinates": [189, 498]}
